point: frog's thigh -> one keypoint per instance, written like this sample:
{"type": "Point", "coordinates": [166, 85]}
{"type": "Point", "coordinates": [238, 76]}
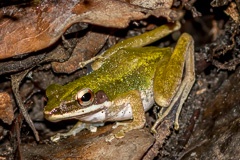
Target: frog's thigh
{"type": "Point", "coordinates": [134, 99]}
{"type": "Point", "coordinates": [171, 87]}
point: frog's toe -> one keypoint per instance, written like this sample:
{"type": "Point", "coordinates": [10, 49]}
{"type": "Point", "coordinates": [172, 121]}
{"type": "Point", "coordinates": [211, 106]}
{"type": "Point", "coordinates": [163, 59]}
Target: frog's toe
{"type": "Point", "coordinates": [176, 125]}
{"type": "Point", "coordinates": [120, 134]}
{"type": "Point", "coordinates": [110, 138]}
{"type": "Point", "coordinates": [56, 137]}
{"type": "Point", "coordinates": [93, 129]}
{"type": "Point", "coordinates": [153, 130]}
{"type": "Point", "coordinates": [119, 124]}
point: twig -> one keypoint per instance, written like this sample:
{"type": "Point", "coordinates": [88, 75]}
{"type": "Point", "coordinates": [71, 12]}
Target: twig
{"type": "Point", "coordinates": [16, 81]}
{"type": "Point", "coordinates": [190, 149]}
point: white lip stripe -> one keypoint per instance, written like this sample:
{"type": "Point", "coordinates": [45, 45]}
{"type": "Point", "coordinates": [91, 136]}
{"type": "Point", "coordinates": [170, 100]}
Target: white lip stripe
{"type": "Point", "coordinates": [83, 111]}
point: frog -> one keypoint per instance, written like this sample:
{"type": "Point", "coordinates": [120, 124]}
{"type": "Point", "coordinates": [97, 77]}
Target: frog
{"type": "Point", "coordinates": [126, 81]}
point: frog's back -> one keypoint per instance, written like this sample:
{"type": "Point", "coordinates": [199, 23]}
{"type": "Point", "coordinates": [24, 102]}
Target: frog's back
{"type": "Point", "coordinates": [130, 69]}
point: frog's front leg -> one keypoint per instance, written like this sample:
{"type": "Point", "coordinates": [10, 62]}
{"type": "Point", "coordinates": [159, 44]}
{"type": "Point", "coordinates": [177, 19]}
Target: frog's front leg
{"type": "Point", "coordinates": [79, 126]}
{"type": "Point", "coordinates": [134, 99]}
{"type": "Point", "coordinates": [169, 88]}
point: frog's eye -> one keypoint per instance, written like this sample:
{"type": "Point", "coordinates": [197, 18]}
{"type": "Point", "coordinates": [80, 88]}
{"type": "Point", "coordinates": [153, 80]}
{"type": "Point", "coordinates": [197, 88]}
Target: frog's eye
{"type": "Point", "coordinates": [85, 97]}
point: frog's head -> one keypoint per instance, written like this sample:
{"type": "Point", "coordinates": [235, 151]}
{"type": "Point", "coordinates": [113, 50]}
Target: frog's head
{"type": "Point", "coordinates": [75, 103]}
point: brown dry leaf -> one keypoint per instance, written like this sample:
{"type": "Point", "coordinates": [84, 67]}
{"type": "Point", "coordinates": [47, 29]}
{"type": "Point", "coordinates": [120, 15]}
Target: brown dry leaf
{"type": "Point", "coordinates": [86, 48]}
{"type": "Point", "coordinates": [152, 3]}
{"type": "Point", "coordinates": [6, 108]}
{"type": "Point", "coordinates": [233, 12]}
{"type": "Point", "coordinates": [29, 29]}
{"type": "Point", "coordinates": [87, 145]}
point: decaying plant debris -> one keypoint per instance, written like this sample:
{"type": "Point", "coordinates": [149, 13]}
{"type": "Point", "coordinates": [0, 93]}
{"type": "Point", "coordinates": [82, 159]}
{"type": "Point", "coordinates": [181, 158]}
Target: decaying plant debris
{"type": "Point", "coordinates": [42, 42]}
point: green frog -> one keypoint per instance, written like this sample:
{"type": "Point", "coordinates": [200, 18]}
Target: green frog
{"type": "Point", "coordinates": [125, 83]}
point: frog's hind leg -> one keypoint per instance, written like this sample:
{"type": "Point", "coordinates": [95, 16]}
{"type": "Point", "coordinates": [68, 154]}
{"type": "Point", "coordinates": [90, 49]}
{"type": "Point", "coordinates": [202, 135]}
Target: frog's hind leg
{"type": "Point", "coordinates": [185, 47]}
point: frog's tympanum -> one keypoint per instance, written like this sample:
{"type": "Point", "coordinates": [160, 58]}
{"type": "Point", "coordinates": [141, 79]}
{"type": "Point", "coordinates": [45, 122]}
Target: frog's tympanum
{"type": "Point", "coordinates": [127, 80]}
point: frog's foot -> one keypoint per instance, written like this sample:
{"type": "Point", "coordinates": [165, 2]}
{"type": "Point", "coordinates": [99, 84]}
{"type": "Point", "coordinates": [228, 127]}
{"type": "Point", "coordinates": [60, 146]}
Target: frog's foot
{"type": "Point", "coordinates": [120, 134]}
{"type": "Point", "coordinates": [77, 128]}
{"type": "Point", "coordinates": [185, 45]}
{"type": "Point", "coordinates": [126, 128]}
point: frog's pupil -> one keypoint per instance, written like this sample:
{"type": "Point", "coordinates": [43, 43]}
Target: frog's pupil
{"type": "Point", "coordinates": [86, 97]}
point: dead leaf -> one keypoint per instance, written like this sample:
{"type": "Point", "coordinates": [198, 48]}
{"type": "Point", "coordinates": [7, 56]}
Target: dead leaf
{"type": "Point", "coordinates": [233, 12]}
{"type": "Point", "coordinates": [6, 108]}
{"type": "Point", "coordinates": [152, 3]}
{"type": "Point", "coordinates": [87, 145]}
{"type": "Point", "coordinates": [32, 28]}
{"type": "Point", "coordinates": [86, 48]}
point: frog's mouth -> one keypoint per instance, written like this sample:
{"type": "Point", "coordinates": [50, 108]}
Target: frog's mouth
{"type": "Point", "coordinates": [96, 112]}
